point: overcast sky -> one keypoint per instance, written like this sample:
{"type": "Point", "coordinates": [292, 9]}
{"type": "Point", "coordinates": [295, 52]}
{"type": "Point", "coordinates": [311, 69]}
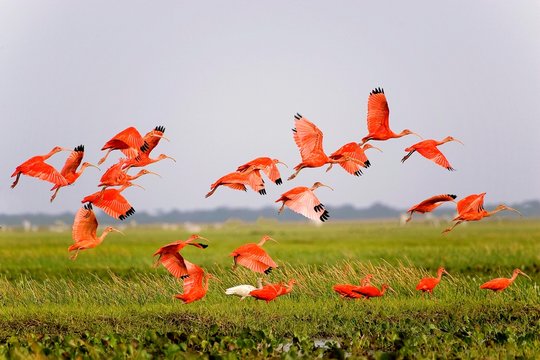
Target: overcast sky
{"type": "Point", "coordinates": [226, 77]}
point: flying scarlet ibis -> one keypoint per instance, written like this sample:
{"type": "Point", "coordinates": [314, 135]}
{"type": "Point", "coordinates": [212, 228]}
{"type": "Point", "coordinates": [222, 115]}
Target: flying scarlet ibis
{"type": "Point", "coordinates": [84, 231]}
{"type": "Point", "coordinates": [430, 204]}
{"type": "Point", "coordinates": [266, 165]}
{"type": "Point", "coordinates": [243, 290]}
{"type": "Point", "coordinates": [129, 138]}
{"type": "Point", "coordinates": [370, 291]}
{"type": "Point", "coordinates": [117, 175]}
{"type": "Point", "coordinates": [238, 181]}
{"type": "Point", "coordinates": [69, 171]}
{"type": "Point", "coordinates": [38, 168]}
{"type": "Point", "coordinates": [309, 140]}
{"type": "Point", "coordinates": [345, 290]}
{"type": "Point", "coordinates": [254, 257]}
{"type": "Point", "coordinates": [196, 285]}
{"type": "Point", "coordinates": [151, 138]}
{"type": "Point", "coordinates": [429, 150]}
{"type": "Point", "coordinates": [429, 283]}
{"type": "Point", "coordinates": [112, 202]}
{"type": "Point", "coordinates": [500, 284]}
{"type": "Point", "coordinates": [352, 157]}
{"type": "Point", "coordinates": [169, 255]}
{"type": "Point", "coordinates": [471, 208]}
{"type": "Point", "coordinates": [302, 200]}
{"type": "Point", "coordinates": [377, 119]}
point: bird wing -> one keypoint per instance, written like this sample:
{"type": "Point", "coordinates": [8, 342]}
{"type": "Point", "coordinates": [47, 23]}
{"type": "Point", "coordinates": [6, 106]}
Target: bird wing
{"type": "Point", "coordinates": [308, 138]}
{"type": "Point", "coordinates": [254, 180]}
{"type": "Point", "coordinates": [84, 225]}
{"type": "Point", "coordinates": [127, 138]}
{"type": "Point", "coordinates": [435, 155]}
{"type": "Point", "coordinates": [352, 157]}
{"type": "Point", "coordinates": [433, 200]}
{"type": "Point", "coordinates": [304, 203]}
{"type": "Point", "coordinates": [44, 171]}
{"type": "Point", "coordinates": [153, 140]}
{"type": "Point", "coordinates": [471, 203]}
{"type": "Point", "coordinates": [272, 171]}
{"type": "Point", "coordinates": [254, 253]}
{"type": "Point", "coordinates": [378, 111]}
{"type": "Point", "coordinates": [73, 161]}
{"type": "Point", "coordinates": [195, 279]}
{"type": "Point", "coordinates": [427, 284]}
{"type": "Point", "coordinates": [114, 174]}
{"type": "Point", "coordinates": [175, 263]}
{"type": "Point", "coordinates": [113, 204]}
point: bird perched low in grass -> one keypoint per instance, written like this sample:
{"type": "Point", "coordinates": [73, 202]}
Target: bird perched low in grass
{"type": "Point", "coordinates": [84, 231]}
{"type": "Point", "coordinates": [370, 291]}
{"type": "Point", "coordinates": [499, 284]}
{"type": "Point", "coordinates": [471, 208]}
{"type": "Point", "coordinates": [346, 290]}
{"type": "Point", "coordinates": [428, 284]}
{"type": "Point", "coordinates": [430, 204]}
{"type": "Point", "coordinates": [254, 257]}
{"type": "Point", "coordinates": [169, 255]}
{"type": "Point", "coordinates": [429, 150]}
{"type": "Point", "coordinates": [243, 290]}
{"type": "Point", "coordinates": [195, 285]}
{"type": "Point", "coordinates": [302, 200]}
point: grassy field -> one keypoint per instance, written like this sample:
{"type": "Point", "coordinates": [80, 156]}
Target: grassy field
{"type": "Point", "coordinates": [111, 302]}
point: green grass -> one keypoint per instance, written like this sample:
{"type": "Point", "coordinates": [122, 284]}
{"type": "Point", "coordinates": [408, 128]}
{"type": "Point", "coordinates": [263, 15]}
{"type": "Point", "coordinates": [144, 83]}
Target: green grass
{"type": "Point", "coordinates": [112, 302]}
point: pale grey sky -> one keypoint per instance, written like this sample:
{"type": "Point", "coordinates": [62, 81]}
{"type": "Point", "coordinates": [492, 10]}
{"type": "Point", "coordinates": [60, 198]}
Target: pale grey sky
{"type": "Point", "coordinates": [226, 77]}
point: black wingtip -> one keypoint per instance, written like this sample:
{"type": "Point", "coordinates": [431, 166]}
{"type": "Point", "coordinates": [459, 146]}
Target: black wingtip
{"type": "Point", "coordinates": [268, 271]}
{"type": "Point", "coordinates": [318, 208]}
{"type": "Point", "coordinates": [378, 90]}
{"type": "Point", "coordinates": [183, 277]}
{"type": "Point", "coordinates": [145, 147]}
{"type": "Point", "coordinates": [358, 173]}
{"type": "Point", "coordinates": [130, 212]}
{"type": "Point", "coordinates": [262, 191]}
{"type": "Point", "coordinates": [279, 181]}
{"type": "Point", "coordinates": [325, 216]}
{"type": "Point", "coordinates": [160, 128]}
{"type": "Point", "coordinates": [297, 116]}
{"type": "Point", "coordinates": [88, 206]}
{"type": "Point", "coordinates": [79, 148]}
{"type": "Point", "coordinates": [450, 168]}
{"type": "Point", "coordinates": [204, 246]}
{"type": "Point", "coordinates": [452, 196]}
{"type": "Point", "coordinates": [367, 164]}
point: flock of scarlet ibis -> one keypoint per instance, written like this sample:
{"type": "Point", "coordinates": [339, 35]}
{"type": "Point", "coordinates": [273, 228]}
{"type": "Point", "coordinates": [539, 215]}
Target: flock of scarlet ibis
{"type": "Point", "coordinates": [309, 139]}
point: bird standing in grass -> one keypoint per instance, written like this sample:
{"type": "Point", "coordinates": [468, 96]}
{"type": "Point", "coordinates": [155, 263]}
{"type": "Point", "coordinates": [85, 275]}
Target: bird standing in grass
{"type": "Point", "coordinates": [84, 231]}
{"type": "Point", "coordinates": [471, 208]}
{"type": "Point", "coordinates": [346, 290]}
{"type": "Point", "coordinates": [377, 119]}
{"type": "Point", "coordinates": [430, 204]}
{"type": "Point", "coordinates": [254, 257]}
{"type": "Point", "coordinates": [428, 149]}
{"type": "Point", "coordinates": [243, 290]}
{"type": "Point", "coordinates": [169, 255]}
{"type": "Point", "coordinates": [370, 291]}
{"type": "Point", "coordinates": [429, 283]}
{"type": "Point", "coordinates": [302, 200]}
{"type": "Point", "coordinates": [38, 168]}
{"type": "Point", "coordinates": [500, 284]}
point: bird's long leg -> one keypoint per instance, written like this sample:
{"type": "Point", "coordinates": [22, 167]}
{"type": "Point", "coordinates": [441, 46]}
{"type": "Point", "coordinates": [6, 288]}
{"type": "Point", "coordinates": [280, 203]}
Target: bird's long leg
{"type": "Point", "coordinates": [281, 208]}
{"type": "Point", "coordinates": [330, 167]}
{"type": "Point", "coordinates": [102, 160]}
{"type": "Point", "coordinates": [407, 156]}
{"type": "Point", "coordinates": [410, 217]}
{"type": "Point", "coordinates": [452, 227]}
{"type": "Point", "coordinates": [74, 257]}
{"type": "Point", "coordinates": [54, 195]}
{"type": "Point", "coordinates": [16, 180]}
{"type": "Point", "coordinates": [294, 175]}
{"type": "Point", "coordinates": [235, 264]}
{"type": "Point", "coordinates": [211, 192]}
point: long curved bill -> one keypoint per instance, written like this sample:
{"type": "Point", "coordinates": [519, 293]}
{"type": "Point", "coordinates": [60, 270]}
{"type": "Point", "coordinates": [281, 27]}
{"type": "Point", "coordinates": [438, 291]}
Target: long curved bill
{"type": "Point", "coordinates": [328, 187]}
{"type": "Point", "coordinates": [413, 133]}
{"type": "Point", "coordinates": [459, 141]}
{"type": "Point", "coordinates": [154, 173]}
{"type": "Point", "coordinates": [450, 276]}
{"type": "Point", "coordinates": [161, 137]}
{"type": "Point", "coordinates": [118, 231]}
{"type": "Point", "coordinates": [269, 238]}
{"type": "Point", "coordinates": [374, 147]}
{"type": "Point", "coordinates": [173, 159]}
{"type": "Point", "coordinates": [203, 238]}
{"type": "Point", "coordinates": [92, 165]}
{"type": "Point", "coordinates": [282, 163]}
{"type": "Point", "coordinates": [394, 291]}
{"type": "Point", "coordinates": [522, 273]}
{"type": "Point", "coordinates": [514, 210]}
{"type": "Point", "coordinates": [137, 185]}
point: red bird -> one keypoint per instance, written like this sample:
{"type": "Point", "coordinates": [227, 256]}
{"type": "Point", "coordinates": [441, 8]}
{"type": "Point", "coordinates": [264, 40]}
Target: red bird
{"type": "Point", "coordinates": [429, 283]}
{"type": "Point", "coordinates": [151, 138]}
{"type": "Point", "coordinates": [143, 160]}
{"type": "Point", "coordinates": [377, 119]}
{"type": "Point", "coordinates": [370, 291]}
{"type": "Point", "coordinates": [238, 181]}
{"type": "Point", "coordinates": [117, 175]}
{"type": "Point", "coordinates": [254, 257]}
{"type": "Point", "coordinates": [196, 285]}
{"type": "Point", "coordinates": [309, 140]}
{"type": "Point", "coordinates": [69, 171]}
{"type": "Point", "coordinates": [346, 290]}
{"type": "Point", "coordinates": [38, 168]}
{"type": "Point", "coordinates": [500, 284]}
{"type": "Point", "coordinates": [430, 204]}
{"type": "Point", "coordinates": [112, 202]}
{"type": "Point", "coordinates": [169, 255]}
{"type": "Point", "coordinates": [302, 200]}
{"type": "Point", "coordinates": [129, 138]}
{"type": "Point", "coordinates": [84, 231]}
{"type": "Point", "coordinates": [471, 208]}
{"type": "Point", "coordinates": [428, 149]}
{"type": "Point", "coordinates": [352, 157]}
{"type": "Point", "coordinates": [271, 291]}
{"type": "Point", "coordinates": [266, 165]}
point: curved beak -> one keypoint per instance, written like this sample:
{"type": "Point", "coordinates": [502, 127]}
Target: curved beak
{"type": "Point", "coordinates": [374, 147]}
{"type": "Point", "coordinates": [413, 133]}
{"type": "Point", "coordinates": [118, 231]}
{"type": "Point", "coordinates": [65, 149]}
{"type": "Point", "coordinates": [203, 238]}
{"type": "Point", "coordinates": [459, 141]}
{"type": "Point", "coordinates": [161, 137]}
{"type": "Point", "coordinates": [394, 291]}
{"type": "Point", "coordinates": [94, 166]}
{"type": "Point", "coordinates": [282, 163]}
{"type": "Point", "coordinates": [514, 210]}
{"type": "Point", "coordinates": [522, 273]}
{"type": "Point", "coordinates": [173, 159]}
{"type": "Point", "coordinates": [269, 238]}
{"type": "Point", "coordinates": [137, 185]}
{"type": "Point", "coordinates": [328, 187]}
{"type": "Point", "coordinates": [154, 173]}
{"type": "Point", "coordinates": [447, 273]}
